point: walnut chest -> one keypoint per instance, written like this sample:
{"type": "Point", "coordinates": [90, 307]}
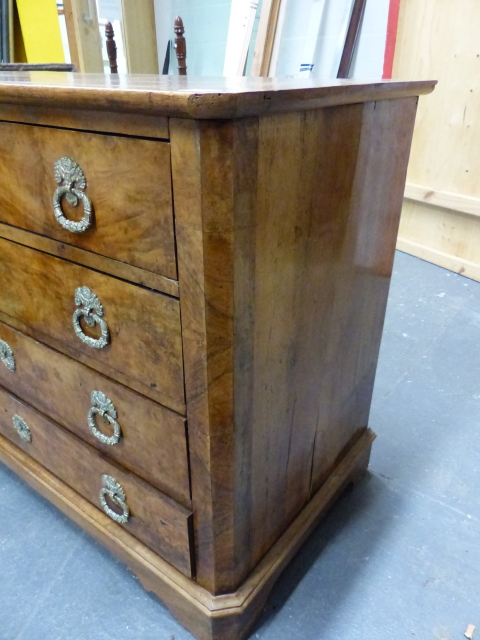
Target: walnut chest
{"type": "Point", "coordinates": [194, 276]}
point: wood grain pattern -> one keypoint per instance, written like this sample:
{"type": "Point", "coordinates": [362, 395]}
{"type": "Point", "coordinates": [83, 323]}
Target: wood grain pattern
{"type": "Point", "coordinates": [145, 126]}
{"type": "Point", "coordinates": [83, 33]}
{"type": "Point", "coordinates": [267, 28]}
{"type": "Point", "coordinates": [444, 199]}
{"type": "Point", "coordinates": [464, 267]}
{"type": "Point", "coordinates": [217, 160]}
{"type": "Point", "coordinates": [128, 182]}
{"type": "Point", "coordinates": [153, 443]}
{"type": "Point", "coordinates": [159, 522]}
{"type": "Point", "coordinates": [195, 97]}
{"type": "Point", "coordinates": [92, 260]}
{"type": "Point", "coordinates": [145, 350]}
{"type": "Point", "coordinates": [227, 617]}
{"type": "Point", "coordinates": [284, 268]}
{"type": "Point", "coordinates": [139, 36]}
{"type": "Point", "coordinates": [435, 39]}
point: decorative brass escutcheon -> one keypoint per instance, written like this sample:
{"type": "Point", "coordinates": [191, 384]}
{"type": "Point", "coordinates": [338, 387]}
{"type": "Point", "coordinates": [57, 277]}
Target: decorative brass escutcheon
{"type": "Point", "coordinates": [22, 428]}
{"type": "Point", "coordinates": [71, 179]}
{"type": "Point", "coordinates": [91, 311]}
{"type": "Point", "coordinates": [112, 489]}
{"type": "Point", "coordinates": [103, 407]}
{"type": "Point", "coordinates": [6, 356]}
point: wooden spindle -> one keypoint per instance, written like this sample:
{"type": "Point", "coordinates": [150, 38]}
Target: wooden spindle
{"type": "Point", "coordinates": [180, 47]}
{"type": "Point", "coordinates": [111, 47]}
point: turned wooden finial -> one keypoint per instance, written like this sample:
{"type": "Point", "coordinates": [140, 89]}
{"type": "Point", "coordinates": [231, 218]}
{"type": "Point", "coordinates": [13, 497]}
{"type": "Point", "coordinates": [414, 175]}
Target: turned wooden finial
{"type": "Point", "coordinates": [111, 47]}
{"type": "Point", "coordinates": [180, 47]}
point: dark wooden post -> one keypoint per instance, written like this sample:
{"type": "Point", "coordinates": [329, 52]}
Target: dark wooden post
{"type": "Point", "coordinates": [180, 47]}
{"type": "Point", "coordinates": [351, 38]}
{"type": "Point", "coordinates": [111, 47]}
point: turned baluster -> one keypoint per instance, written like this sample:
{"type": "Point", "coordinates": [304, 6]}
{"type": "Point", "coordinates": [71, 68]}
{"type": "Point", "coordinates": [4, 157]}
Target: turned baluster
{"type": "Point", "coordinates": [111, 47]}
{"type": "Point", "coordinates": [180, 47]}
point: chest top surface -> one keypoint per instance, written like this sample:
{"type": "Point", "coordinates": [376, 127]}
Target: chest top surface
{"type": "Point", "coordinates": [195, 97]}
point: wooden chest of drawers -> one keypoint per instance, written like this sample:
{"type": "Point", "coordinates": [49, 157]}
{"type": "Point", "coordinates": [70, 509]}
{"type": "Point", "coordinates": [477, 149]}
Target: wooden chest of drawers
{"type": "Point", "coordinates": [194, 276]}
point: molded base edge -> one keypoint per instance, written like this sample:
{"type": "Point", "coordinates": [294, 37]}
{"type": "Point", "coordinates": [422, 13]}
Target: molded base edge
{"type": "Point", "coordinates": [207, 617]}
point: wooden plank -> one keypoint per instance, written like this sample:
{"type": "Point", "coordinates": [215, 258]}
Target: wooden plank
{"type": "Point", "coordinates": [441, 258]}
{"type": "Point", "coordinates": [272, 70]}
{"type": "Point", "coordinates": [140, 37]}
{"type": "Point", "coordinates": [84, 35]}
{"type": "Point", "coordinates": [91, 260]}
{"type": "Point", "coordinates": [195, 97]}
{"type": "Point", "coordinates": [144, 126]}
{"type": "Point", "coordinates": [437, 40]}
{"type": "Point", "coordinates": [444, 232]}
{"type": "Point", "coordinates": [267, 28]}
{"type": "Point", "coordinates": [444, 199]}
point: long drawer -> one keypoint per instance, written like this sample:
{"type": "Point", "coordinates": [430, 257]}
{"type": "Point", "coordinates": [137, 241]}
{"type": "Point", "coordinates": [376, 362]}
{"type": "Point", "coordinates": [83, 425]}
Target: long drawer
{"type": "Point", "coordinates": [126, 184]}
{"type": "Point", "coordinates": [142, 435]}
{"type": "Point", "coordinates": [156, 520]}
{"type": "Point", "coordinates": [136, 334]}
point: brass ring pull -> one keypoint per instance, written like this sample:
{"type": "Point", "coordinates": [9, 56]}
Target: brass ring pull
{"type": "Point", "coordinates": [71, 179]}
{"type": "Point", "coordinates": [91, 311]}
{"type": "Point", "coordinates": [6, 356]}
{"type": "Point", "coordinates": [112, 489]}
{"type": "Point", "coordinates": [22, 428]}
{"type": "Point", "coordinates": [103, 406]}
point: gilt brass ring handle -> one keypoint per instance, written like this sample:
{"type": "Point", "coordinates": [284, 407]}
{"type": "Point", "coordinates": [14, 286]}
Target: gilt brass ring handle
{"type": "Point", "coordinates": [22, 428]}
{"type": "Point", "coordinates": [112, 489]}
{"type": "Point", "coordinates": [103, 407]}
{"type": "Point", "coordinates": [91, 311]}
{"type": "Point", "coordinates": [71, 179]}
{"type": "Point", "coordinates": [6, 356]}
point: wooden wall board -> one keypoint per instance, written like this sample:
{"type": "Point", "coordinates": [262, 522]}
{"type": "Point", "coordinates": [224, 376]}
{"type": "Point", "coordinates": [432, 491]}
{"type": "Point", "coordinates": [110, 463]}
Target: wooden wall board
{"type": "Point", "coordinates": [83, 35]}
{"type": "Point", "coordinates": [267, 28]}
{"type": "Point", "coordinates": [439, 39]}
{"type": "Point", "coordinates": [140, 36]}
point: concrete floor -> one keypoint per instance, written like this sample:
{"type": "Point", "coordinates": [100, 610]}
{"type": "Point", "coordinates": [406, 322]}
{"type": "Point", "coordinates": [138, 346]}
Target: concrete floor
{"type": "Point", "coordinates": [398, 558]}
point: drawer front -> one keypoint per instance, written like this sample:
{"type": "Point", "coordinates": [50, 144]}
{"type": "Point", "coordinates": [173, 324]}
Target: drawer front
{"type": "Point", "coordinates": [143, 350]}
{"type": "Point", "coordinates": [152, 440]}
{"type": "Point", "coordinates": [157, 521]}
{"type": "Point", "coordinates": [128, 185]}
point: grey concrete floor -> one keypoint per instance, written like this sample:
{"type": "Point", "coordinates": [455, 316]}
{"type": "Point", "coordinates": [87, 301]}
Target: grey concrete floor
{"type": "Point", "coordinates": [397, 558]}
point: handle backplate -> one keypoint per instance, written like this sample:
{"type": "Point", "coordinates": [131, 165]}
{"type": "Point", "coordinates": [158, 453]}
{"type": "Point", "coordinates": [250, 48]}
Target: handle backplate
{"type": "Point", "coordinates": [22, 428]}
{"type": "Point", "coordinates": [6, 356]}
{"type": "Point", "coordinates": [112, 489]}
{"type": "Point", "coordinates": [69, 175]}
{"type": "Point", "coordinates": [91, 311]}
{"type": "Point", "coordinates": [103, 407]}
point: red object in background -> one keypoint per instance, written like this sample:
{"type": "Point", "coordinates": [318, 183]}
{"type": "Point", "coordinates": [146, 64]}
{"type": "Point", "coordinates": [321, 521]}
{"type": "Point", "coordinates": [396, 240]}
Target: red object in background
{"type": "Point", "coordinates": [392, 26]}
